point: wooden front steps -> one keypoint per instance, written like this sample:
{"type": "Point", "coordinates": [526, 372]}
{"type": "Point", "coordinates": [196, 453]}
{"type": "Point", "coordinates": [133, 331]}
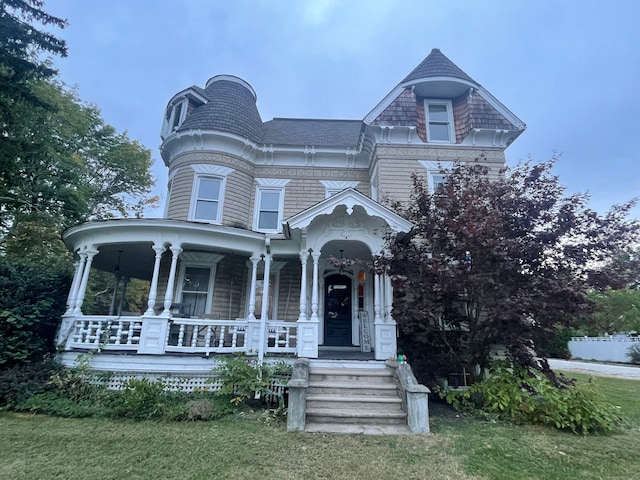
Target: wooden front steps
{"type": "Point", "coordinates": [359, 397]}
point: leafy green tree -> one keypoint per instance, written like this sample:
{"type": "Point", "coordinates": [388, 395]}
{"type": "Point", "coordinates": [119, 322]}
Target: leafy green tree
{"type": "Point", "coordinates": [501, 261]}
{"type": "Point", "coordinates": [616, 311]}
{"type": "Point", "coordinates": [21, 43]}
{"type": "Point", "coordinates": [69, 166]}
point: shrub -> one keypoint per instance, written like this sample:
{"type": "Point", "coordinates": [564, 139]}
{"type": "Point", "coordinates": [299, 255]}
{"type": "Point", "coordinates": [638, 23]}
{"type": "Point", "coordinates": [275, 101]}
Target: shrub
{"type": "Point", "coordinates": [243, 379]}
{"type": "Point", "coordinates": [519, 396]}
{"type": "Point", "coordinates": [32, 300]}
{"type": "Point", "coordinates": [634, 354]}
{"type": "Point", "coordinates": [20, 382]}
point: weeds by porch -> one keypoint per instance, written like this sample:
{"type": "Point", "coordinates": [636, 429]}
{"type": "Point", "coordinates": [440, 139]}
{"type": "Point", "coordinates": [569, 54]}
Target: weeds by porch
{"type": "Point", "coordinates": [247, 444]}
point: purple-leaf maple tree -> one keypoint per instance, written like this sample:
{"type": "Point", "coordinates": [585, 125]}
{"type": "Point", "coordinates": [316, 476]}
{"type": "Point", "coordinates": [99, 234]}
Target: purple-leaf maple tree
{"type": "Point", "coordinates": [498, 260]}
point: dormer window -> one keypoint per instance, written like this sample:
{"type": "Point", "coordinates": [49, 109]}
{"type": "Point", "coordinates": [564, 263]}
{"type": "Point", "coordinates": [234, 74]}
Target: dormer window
{"type": "Point", "coordinates": [439, 117]}
{"type": "Point", "coordinates": [174, 116]}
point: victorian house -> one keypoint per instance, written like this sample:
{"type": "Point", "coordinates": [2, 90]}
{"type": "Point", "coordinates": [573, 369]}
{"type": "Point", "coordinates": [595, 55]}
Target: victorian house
{"type": "Point", "coordinates": [264, 221]}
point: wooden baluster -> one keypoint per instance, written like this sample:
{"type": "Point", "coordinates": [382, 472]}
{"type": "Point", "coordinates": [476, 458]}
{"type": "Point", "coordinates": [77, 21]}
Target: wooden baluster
{"type": "Point", "coordinates": [207, 337]}
{"type": "Point", "coordinates": [119, 333]}
{"type": "Point", "coordinates": [221, 341]}
{"type": "Point", "coordinates": [181, 335]}
{"type": "Point", "coordinates": [130, 334]}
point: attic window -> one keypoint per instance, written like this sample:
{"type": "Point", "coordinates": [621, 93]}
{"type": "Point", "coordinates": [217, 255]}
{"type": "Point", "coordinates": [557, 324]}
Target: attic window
{"type": "Point", "coordinates": [174, 116]}
{"type": "Point", "coordinates": [439, 116]}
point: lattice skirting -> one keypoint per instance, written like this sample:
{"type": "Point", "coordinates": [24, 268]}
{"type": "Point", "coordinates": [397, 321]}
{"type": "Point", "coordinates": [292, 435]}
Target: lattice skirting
{"type": "Point", "coordinates": [184, 383]}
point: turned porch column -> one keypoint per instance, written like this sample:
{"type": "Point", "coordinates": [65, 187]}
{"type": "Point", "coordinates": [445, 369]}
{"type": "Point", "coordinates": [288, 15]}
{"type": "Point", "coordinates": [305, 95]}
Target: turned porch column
{"type": "Point", "coordinates": [314, 289]}
{"type": "Point", "coordinates": [252, 292]}
{"type": "Point", "coordinates": [304, 257]}
{"type": "Point", "coordinates": [168, 298]}
{"type": "Point", "coordinates": [82, 289]}
{"type": "Point", "coordinates": [308, 327]}
{"type": "Point", "coordinates": [73, 291]}
{"type": "Point", "coordinates": [265, 306]}
{"type": "Point", "coordinates": [153, 289]}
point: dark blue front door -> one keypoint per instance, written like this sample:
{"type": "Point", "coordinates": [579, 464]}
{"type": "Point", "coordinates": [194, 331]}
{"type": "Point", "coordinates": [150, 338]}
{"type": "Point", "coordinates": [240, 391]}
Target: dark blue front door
{"type": "Point", "coordinates": [337, 310]}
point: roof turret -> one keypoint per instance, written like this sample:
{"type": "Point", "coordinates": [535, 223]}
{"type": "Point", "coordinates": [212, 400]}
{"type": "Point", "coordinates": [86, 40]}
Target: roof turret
{"type": "Point", "coordinates": [231, 107]}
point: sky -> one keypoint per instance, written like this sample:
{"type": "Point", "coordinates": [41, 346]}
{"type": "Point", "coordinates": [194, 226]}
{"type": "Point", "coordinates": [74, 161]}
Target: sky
{"type": "Point", "coordinates": [568, 68]}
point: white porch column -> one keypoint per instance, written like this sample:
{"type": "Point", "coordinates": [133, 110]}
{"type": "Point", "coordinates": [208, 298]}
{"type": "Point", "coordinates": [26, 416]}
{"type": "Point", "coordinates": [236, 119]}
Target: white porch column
{"type": "Point", "coordinates": [73, 291]}
{"type": "Point", "coordinates": [252, 292]}
{"type": "Point", "coordinates": [388, 301]}
{"type": "Point", "coordinates": [385, 329]}
{"type": "Point", "coordinates": [168, 298]}
{"type": "Point", "coordinates": [265, 307]}
{"type": "Point", "coordinates": [153, 290]}
{"type": "Point", "coordinates": [376, 298]}
{"type": "Point", "coordinates": [66, 326]}
{"type": "Point", "coordinates": [304, 257]}
{"type": "Point", "coordinates": [314, 287]}
{"type": "Point", "coordinates": [82, 288]}
{"type": "Point", "coordinates": [308, 327]}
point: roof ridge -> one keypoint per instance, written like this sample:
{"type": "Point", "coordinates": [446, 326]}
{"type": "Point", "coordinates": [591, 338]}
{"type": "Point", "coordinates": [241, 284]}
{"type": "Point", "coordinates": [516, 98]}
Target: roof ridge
{"type": "Point", "coordinates": [315, 119]}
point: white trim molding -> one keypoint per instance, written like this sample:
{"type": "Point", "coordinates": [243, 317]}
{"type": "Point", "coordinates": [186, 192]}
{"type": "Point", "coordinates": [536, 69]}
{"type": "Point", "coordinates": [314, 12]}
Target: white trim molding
{"type": "Point", "coordinates": [333, 187]}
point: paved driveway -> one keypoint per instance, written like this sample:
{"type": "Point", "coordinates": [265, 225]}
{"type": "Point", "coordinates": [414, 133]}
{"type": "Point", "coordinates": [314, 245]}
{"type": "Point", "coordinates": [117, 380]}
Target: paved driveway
{"type": "Point", "coordinates": [620, 371]}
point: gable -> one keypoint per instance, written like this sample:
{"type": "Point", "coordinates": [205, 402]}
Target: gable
{"type": "Point", "coordinates": [348, 198]}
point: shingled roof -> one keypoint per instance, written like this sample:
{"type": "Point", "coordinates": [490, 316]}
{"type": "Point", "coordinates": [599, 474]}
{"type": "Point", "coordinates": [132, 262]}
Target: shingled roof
{"type": "Point", "coordinates": [437, 65]}
{"type": "Point", "coordinates": [303, 131]}
{"type": "Point", "coordinates": [231, 108]}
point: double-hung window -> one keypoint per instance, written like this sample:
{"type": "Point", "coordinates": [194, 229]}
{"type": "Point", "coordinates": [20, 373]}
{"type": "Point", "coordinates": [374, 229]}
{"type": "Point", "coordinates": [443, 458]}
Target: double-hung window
{"type": "Point", "coordinates": [208, 192]}
{"type": "Point", "coordinates": [207, 199]}
{"type": "Point", "coordinates": [439, 116]}
{"type": "Point", "coordinates": [437, 173]}
{"type": "Point", "coordinates": [196, 291]}
{"type": "Point", "coordinates": [269, 205]}
{"type": "Point", "coordinates": [269, 211]}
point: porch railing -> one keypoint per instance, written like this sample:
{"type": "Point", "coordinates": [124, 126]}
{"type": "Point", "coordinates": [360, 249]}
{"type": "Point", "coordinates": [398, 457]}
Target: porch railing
{"type": "Point", "coordinates": [183, 335]}
{"type": "Point", "coordinates": [282, 337]}
{"type": "Point", "coordinates": [105, 332]}
{"type": "Point", "coordinates": [206, 336]}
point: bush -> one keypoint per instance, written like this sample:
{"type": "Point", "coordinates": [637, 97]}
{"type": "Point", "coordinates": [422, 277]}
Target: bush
{"type": "Point", "coordinates": [22, 381]}
{"type": "Point", "coordinates": [634, 354]}
{"type": "Point", "coordinates": [244, 379]}
{"type": "Point", "coordinates": [519, 396]}
{"type": "Point", "coordinates": [32, 300]}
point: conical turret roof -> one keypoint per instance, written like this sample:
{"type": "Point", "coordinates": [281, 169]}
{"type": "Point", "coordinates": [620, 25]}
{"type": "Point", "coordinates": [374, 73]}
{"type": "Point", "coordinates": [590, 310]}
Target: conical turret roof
{"type": "Point", "coordinates": [437, 65]}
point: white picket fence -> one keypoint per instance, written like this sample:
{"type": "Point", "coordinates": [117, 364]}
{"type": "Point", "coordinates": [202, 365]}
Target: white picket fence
{"type": "Point", "coordinates": [610, 348]}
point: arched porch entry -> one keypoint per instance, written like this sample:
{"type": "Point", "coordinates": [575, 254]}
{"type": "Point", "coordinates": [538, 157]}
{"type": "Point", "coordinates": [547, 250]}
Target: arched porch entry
{"type": "Point", "coordinates": [347, 226]}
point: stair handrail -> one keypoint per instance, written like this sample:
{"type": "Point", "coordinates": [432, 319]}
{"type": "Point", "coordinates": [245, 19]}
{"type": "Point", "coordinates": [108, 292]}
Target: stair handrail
{"type": "Point", "coordinates": [415, 397]}
{"type": "Point", "coordinates": [298, 385]}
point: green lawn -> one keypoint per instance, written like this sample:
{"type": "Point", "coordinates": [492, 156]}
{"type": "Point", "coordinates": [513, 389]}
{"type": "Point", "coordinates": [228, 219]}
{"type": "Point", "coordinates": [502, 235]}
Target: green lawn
{"type": "Point", "coordinates": [38, 447]}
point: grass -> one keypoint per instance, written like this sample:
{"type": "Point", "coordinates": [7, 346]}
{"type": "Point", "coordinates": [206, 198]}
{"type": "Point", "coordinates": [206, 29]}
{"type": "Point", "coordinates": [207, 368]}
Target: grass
{"type": "Point", "coordinates": [461, 448]}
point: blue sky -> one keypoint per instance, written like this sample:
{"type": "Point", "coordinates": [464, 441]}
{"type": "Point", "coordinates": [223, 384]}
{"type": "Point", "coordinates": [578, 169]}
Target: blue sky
{"type": "Point", "coordinates": [568, 68]}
